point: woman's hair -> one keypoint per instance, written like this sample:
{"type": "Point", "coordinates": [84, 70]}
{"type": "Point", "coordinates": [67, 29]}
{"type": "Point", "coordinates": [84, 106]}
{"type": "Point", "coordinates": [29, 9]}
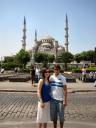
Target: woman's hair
{"type": "Point", "coordinates": [43, 72]}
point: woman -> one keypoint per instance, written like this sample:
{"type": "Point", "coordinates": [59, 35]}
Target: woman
{"type": "Point", "coordinates": [43, 92]}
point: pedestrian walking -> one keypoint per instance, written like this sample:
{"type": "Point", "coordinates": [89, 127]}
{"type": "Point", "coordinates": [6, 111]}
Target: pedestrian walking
{"type": "Point", "coordinates": [32, 72]}
{"type": "Point", "coordinates": [43, 92]}
{"type": "Point", "coordinates": [95, 83]}
{"type": "Point", "coordinates": [84, 74]}
{"type": "Point", "coordinates": [37, 74]}
{"type": "Point", "coordinates": [58, 96]}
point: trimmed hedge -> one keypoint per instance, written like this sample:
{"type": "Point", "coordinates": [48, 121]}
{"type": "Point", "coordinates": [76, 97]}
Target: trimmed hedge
{"type": "Point", "coordinates": [88, 70]}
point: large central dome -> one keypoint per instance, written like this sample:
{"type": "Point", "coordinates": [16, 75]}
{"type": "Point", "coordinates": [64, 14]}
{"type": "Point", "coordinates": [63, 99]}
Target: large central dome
{"type": "Point", "coordinates": [47, 37]}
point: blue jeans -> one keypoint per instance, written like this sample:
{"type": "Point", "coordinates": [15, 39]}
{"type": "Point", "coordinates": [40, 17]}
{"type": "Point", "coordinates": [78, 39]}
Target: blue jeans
{"type": "Point", "coordinates": [56, 110]}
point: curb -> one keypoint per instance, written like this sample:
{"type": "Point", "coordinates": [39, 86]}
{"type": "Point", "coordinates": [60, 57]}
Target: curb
{"type": "Point", "coordinates": [83, 91]}
{"type": "Point", "coordinates": [16, 91]}
{"type": "Point", "coordinates": [34, 91]}
{"type": "Point", "coordinates": [33, 123]}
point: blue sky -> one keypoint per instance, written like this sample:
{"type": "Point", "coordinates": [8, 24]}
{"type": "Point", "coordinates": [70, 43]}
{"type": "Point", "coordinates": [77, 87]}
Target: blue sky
{"type": "Point", "coordinates": [48, 18]}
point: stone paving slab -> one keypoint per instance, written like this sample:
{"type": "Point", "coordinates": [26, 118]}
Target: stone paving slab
{"type": "Point", "coordinates": [18, 108]}
{"type": "Point", "coordinates": [30, 124]}
{"type": "Point", "coordinates": [81, 87]}
{"type": "Point", "coordinates": [17, 86]}
{"type": "Point", "coordinates": [23, 106]}
{"type": "Point", "coordinates": [27, 87]}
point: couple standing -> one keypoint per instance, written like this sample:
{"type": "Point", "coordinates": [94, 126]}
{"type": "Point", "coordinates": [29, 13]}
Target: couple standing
{"type": "Point", "coordinates": [51, 106]}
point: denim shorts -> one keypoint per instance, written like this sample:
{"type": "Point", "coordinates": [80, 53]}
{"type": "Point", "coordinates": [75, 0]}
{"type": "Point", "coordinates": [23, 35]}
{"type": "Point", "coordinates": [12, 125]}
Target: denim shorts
{"type": "Point", "coordinates": [56, 110]}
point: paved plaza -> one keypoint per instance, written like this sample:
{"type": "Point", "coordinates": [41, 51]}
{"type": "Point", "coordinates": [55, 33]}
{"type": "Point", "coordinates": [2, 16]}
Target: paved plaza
{"type": "Point", "coordinates": [18, 108]}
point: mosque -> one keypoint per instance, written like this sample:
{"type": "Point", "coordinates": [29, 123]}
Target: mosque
{"type": "Point", "coordinates": [46, 44]}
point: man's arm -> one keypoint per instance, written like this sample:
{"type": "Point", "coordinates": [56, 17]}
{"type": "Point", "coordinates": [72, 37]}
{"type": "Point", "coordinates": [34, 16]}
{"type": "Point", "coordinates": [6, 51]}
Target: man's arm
{"type": "Point", "coordinates": [65, 96]}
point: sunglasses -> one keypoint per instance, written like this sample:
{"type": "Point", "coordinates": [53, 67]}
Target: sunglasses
{"type": "Point", "coordinates": [47, 72]}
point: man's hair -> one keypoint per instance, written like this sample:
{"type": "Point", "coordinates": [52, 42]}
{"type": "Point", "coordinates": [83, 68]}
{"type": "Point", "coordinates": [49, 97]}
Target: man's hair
{"type": "Point", "coordinates": [57, 66]}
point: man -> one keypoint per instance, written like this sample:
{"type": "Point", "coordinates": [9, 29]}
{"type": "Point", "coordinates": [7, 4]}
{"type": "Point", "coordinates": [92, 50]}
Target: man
{"type": "Point", "coordinates": [32, 72]}
{"type": "Point", "coordinates": [58, 96]}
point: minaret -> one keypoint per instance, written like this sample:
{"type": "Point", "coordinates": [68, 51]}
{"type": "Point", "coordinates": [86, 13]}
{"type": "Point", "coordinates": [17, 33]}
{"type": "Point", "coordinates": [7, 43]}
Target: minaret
{"type": "Point", "coordinates": [66, 35]}
{"type": "Point", "coordinates": [33, 49]}
{"type": "Point", "coordinates": [24, 35]}
{"type": "Point", "coordinates": [35, 37]}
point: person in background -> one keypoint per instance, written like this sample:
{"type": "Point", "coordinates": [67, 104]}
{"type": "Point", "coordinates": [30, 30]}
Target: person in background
{"type": "Point", "coordinates": [84, 74]}
{"type": "Point", "coordinates": [95, 83]}
{"type": "Point", "coordinates": [32, 72]}
{"type": "Point", "coordinates": [43, 93]}
{"type": "Point", "coordinates": [2, 70]}
{"type": "Point", "coordinates": [15, 69]}
{"type": "Point", "coordinates": [37, 74]}
{"type": "Point", "coordinates": [91, 76]}
{"type": "Point", "coordinates": [58, 96]}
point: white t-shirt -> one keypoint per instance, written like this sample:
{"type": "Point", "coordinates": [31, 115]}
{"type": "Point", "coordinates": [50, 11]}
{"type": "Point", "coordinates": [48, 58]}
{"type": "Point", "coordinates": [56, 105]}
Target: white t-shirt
{"type": "Point", "coordinates": [57, 84]}
{"type": "Point", "coordinates": [37, 71]}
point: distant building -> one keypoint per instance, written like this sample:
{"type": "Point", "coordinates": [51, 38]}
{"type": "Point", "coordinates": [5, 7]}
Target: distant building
{"type": "Point", "coordinates": [47, 44]}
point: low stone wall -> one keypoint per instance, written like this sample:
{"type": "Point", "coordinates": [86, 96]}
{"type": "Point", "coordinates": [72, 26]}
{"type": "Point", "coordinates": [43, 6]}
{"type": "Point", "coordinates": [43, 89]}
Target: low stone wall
{"type": "Point", "coordinates": [20, 78]}
{"type": "Point", "coordinates": [70, 78]}
{"type": "Point", "coordinates": [26, 77]}
{"type": "Point", "coordinates": [4, 77]}
{"type": "Point", "coordinates": [88, 78]}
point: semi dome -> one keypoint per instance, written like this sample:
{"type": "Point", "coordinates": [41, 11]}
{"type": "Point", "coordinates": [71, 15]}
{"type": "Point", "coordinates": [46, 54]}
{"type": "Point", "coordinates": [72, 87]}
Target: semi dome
{"type": "Point", "coordinates": [46, 44]}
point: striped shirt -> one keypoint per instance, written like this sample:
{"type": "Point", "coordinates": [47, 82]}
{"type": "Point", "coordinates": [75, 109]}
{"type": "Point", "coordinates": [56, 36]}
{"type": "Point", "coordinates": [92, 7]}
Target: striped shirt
{"type": "Point", "coordinates": [57, 84]}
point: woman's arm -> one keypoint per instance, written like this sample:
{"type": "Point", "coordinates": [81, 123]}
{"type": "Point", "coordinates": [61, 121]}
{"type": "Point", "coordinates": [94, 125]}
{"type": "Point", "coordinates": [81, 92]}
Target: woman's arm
{"type": "Point", "coordinates": [39, 87]}
{"type": "Point", "coordinates": [40, 83]}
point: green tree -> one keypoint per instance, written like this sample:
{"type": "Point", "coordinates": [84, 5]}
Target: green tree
{"type": "Point", "coordinates": [78, 57]}
{"type": "Point", "coordinates": [41, 57]}
{"type": "Point", "coordinates": [9, 59]}
{"type": "Point", "coordinates": [89, 55]}
{"type": "Point", "coordinates": [22, 57]}
{"type": "Point", "coordinates": [51, 58]}
{"type": "Point", "coordinates": [86, 55]}
{"type": "Point", "coordinates": [67, 57]}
